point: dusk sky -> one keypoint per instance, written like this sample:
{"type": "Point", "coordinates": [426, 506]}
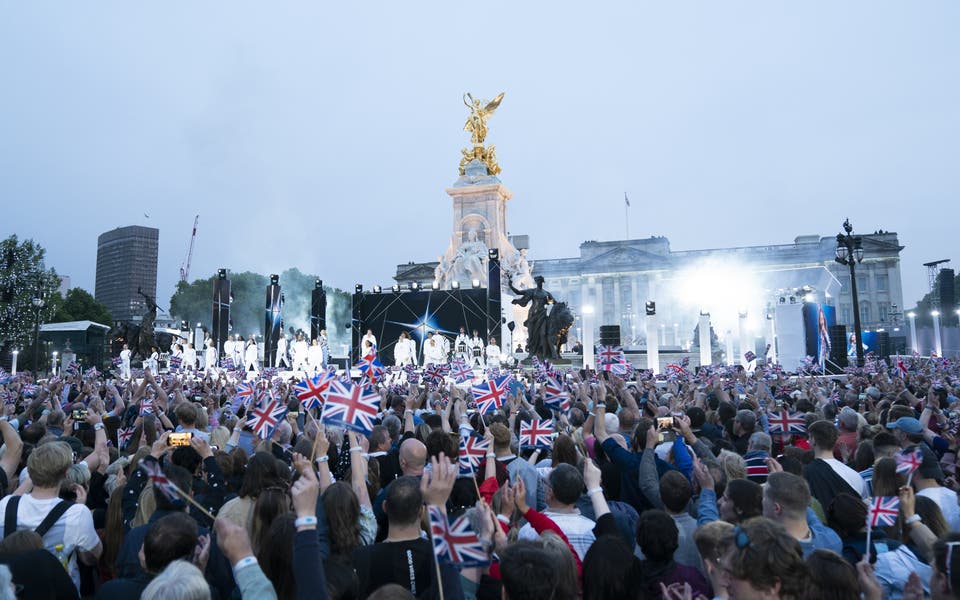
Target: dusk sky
{"type": "Point", "coordinates": [322, 135]}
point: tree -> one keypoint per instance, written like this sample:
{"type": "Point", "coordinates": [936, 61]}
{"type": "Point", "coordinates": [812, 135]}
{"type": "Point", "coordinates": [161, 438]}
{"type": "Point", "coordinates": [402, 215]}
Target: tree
{"type": "Point", "coordinates": [79, 305]}
{"type": "Point", "coordinates": [23, 275]}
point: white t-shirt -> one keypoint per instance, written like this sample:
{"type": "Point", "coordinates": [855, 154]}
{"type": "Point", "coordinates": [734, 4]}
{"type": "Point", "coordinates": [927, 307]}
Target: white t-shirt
{"type": "Point", "coordinates": [74, 529]}
{"type": "Point", "coordinates": [849, 475]}
{"type": "Point", "coordinates": [946, 499]}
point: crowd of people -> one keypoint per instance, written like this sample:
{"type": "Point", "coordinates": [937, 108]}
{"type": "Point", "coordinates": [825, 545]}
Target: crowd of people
{"type": "Point", "coordinates": [721, 483]}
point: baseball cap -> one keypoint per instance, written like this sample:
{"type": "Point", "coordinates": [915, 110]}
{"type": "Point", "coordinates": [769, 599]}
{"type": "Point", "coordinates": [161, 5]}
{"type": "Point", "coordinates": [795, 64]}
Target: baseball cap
{"type": "Point", "coordinates": [906, 425]}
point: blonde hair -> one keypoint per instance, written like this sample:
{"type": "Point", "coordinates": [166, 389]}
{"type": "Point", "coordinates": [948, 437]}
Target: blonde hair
{"type": "Point", "coordinates": [48, 464]}
{"type": "Point", "coordinates": [734, 466]}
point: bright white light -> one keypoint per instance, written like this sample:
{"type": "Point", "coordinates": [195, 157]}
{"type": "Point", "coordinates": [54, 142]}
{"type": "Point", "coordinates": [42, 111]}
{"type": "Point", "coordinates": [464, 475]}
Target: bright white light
{"type": "Point", "coordinates": [587, 309]}
{"type": "Point", "coordinates": [808, 298]}
{"type": "Point", "coordinates": [719, 287]}
{"type": "Point", "coordinates": [934, 313]}
{"type": "Point", "coordinates": [912, 315]}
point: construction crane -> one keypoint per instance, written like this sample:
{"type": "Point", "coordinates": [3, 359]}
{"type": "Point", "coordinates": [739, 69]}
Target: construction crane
{"type": "Point", "coordinates": [185, 266]}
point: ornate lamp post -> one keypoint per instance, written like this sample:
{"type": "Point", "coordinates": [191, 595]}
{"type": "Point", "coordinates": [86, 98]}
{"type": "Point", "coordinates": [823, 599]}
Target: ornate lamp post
{"type": "Point", "coordinates": [38, 303]}
{"type": "Point", "coordinates": [850, 253]}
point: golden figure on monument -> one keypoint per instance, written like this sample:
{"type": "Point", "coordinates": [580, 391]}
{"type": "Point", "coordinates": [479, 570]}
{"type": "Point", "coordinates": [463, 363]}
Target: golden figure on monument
{"type": "Point", "coordinates": [480, 111]}
{"type": "Point", "coordinates": [477, 121]}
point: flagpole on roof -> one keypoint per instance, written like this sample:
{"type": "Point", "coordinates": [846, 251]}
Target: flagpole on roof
{"type": "Point", "coordinates": [626, 213]}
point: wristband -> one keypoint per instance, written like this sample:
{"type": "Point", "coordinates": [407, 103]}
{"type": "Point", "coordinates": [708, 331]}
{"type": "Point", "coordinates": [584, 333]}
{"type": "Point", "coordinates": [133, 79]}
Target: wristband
{"type": "Point", "coordinates": [243, 563]}
{"type": "Point", "coordinates": [913, 519]}
{"type": "Point", "coordinates": [356, 449]}
{"type": "Point", "coordinates": [305, 521]}
{"type": "Point", "coordinates": [491, 455]}
{"type": "Point", "coordinates": [323, 458]}
{"type": "Point", "coordinates": [504, 519]}
{"type": "Point", "coordinates": [97, 426]}
{"type": "Point", "coordinates": [596, 490]}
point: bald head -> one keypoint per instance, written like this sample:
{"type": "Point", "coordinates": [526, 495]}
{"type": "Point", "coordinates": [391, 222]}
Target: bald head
{"type": "Point", "coordinates": [413, 455]}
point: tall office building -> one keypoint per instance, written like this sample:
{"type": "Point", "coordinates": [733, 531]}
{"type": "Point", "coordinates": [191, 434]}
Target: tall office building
{"type": "Point", "coordinates": [126, 261]}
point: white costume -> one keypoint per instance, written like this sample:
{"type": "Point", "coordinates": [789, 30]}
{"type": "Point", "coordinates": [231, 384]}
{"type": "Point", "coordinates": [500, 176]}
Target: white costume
{"type": "Point", "coordinates": [250, 358]}
{"type": "Point", "coordinates": [237, 352]}
{"type": "Point", "coordinates": [300, 355]}
{"type": "Point", "coordinates": [228, 348]}
{"type": "Point", "coordinates": [190, 358]}
{"type": "Point", "coordinates": [210, 357]}
{"type": "Point", "coordinates": [461, 346]}
{"type": "Point", "coordinates": [324, 348]}
{"type": "Point", "coordinates": [476, 352]}
{"type": "Point", "coordinates": [282, 353]}
{"type": "Point", "coordinates": [315, 358]}
{"type": "Point", "coordinates": [125, 363]}
{"type": "Point", "coordinates": [368, 337]}
{"type": "Point", "coordinates": [153, 364]}
{"type": "Point", "coordinates": [444, 344]}
{"type": "Point", "coordinates": [493, 356]}
{"type": "Point", "coordinates": [433, 351]}
{"type": "Point", "coordinates": [400, 352]}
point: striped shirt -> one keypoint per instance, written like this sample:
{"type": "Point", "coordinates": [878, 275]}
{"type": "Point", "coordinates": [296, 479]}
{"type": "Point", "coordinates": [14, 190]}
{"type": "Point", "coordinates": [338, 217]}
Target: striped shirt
{"type": "Point", "coordinates": [757, 470]}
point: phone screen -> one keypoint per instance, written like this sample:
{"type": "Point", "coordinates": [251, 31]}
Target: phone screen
{"type": "Point", "coordinates": [180, 439]}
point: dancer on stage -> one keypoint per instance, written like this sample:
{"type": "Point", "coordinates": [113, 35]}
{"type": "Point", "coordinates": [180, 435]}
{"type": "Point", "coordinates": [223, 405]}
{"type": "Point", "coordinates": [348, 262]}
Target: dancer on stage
{"type": "Point", "coordinates": [433, 350]}
{"type": "Point", "coordinates": [315, 357]}
{"type": "Point", "coordinates": [461, 345]}
{"type": "Point", "coordinates": [237, 350]}
{"type": "Point", "coordinates": [324, 347]}
{"type": "Point", "coordinates": [152, 364]}
{"type": "Point", "coordinates": [210, 357]}
{"type": "Point", "coordinates": [189, 358]}
{"type": "Point", "coordinates": [300, 350]}
{"type": "Point", "coordinates": [476, 350]}
{"type": "Point", "coordinates": [125, 362]}
{"type": "Point", "coordinates": [251, 356]}
{"type": "Point", "coordinates": [493, 354]}
{"type": "Point", "coordinates": [369, 337]}
{"type": "Point", "coordinates": [401, 350]}
{"type": "Point", "coordinates": [282, 353]}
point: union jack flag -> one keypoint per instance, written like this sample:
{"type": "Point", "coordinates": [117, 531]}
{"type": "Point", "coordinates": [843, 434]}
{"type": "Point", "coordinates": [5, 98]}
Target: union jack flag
{"type": "Point", "coordinates": [116, 360]}
{"type": "Point", "coordinates": [413, 377]}
{"type": "Point", "coordinates": [160, 481]}
{"type": "Point", "coordinates": [473, 449]}
{"type": "Point", "coordinates": [310, 391]}
{"type": "Point", "coordinates": [29, 389]}
{"type": "Point", "coordinates": [371, 367]}
{"type": "Point", "coordinates": [265, 418]}
{"type": "Point", "coordinates": [147, 407]}
{"type": "Point", "coordinates": [555, 396]}
{"type": "Point", "coordinates": [409, 368]}
{"type": "Point", "coordinates": [908, 462]}
{"type": "Point", "coordinates": [460, 370]}
{"type": "Point", "coordinates": [124, 434]}
{"type": "Point", "coordinates": [884, 511]}
{"type": "Point", "coordinates": [491, 394]}
{"type": "Point", "coordinates": [750, 356]}
{"type": "Point", "coordinates": [620, 369]}
{"type": "Point", "coordinates": [73, 368]}
{"type": "Point", "coordinates": [787, 423]}
{"type": "Point", "coordinates": [435, 373]}
{"type": "Point", "coordinates": [175, 362]}
{"type": "Point", "coordinates": [456, 543]}
{"type": "Point", "coordinates": [609, 354]}
{"type": "Point", "coordinates": [536, 433]}
{"type": "Point", "coordinates": [352, 406]}
{"type": "Point", "coordinates": [270, 372]}
{"type": "Point", "coordinates": [92, 373]}
{"type": "Point", "coordinates": [902, 369]}
{"type": "Point", "coordinates": [675, 371]}
{"type": "Point", "coordinates": [685, 362]}
{"type": "Point", "coordinates": [245, 393]}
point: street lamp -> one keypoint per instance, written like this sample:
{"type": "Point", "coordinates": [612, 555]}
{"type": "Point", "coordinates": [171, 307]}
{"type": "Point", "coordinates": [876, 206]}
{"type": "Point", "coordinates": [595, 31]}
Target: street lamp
{"type": "Point", "coordinates": [850, 252]}
{"type": "Point", "coordinates": [38, 304]}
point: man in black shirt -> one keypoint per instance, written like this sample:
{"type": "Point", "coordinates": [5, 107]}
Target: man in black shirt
{"type": "Point", "coordinates": [404, 558]}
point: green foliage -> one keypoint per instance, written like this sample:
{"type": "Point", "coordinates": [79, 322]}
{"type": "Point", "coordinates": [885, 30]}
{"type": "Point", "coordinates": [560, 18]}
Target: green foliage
{"type": "Point", "coordinates": [79, 305]}
{"type": "Point", "coordinates": [193, 302]}
{"type": "Point", "coordinates": [22, 276]}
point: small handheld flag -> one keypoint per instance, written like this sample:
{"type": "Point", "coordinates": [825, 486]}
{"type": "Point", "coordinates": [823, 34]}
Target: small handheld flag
{"type": "Point", "coordinates": [311, 391]}
{"type": "Point", "coordinates": [491, 394]}
{"type": "Point", "coordinates": [536, 433]}
{"type": "Point", "coordinates": [473, 449]}
{"type": "Point", "coordinates": [908, 462]}
{"type": "Point", "coordinates": [883, 511]}
{"type": "Point", "coordinates": [160, 481]}
{"type": "Point", "coordinates": [787, 423]}
{"type": "Point", "coordinates": [264, 419]}
{"type": "Point", "coordinates": [457, 542]}
{"type": "Point", "coordinates": [352, 406]}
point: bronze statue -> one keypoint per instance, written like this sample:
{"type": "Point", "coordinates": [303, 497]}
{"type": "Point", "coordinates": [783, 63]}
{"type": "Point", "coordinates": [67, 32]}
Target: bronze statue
{"type": "Point", "coordinates": [140, 338]}
{"type": "Point", "coordinates": [546, 329]}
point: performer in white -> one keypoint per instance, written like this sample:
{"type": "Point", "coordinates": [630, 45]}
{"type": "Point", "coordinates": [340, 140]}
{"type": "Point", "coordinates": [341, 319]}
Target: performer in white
{"type": "Point", "coordinates": [300, 354]}
{"type": "Point", "coordinates": [251, 356]}
{"type": "Point", "coordinates": [476, 350]}
{"type": "Point", "coordinates": [282, 353]}
{"type": "Point", "coordinates": [432, 350]}
{"type": "Point", "coordinates": [401, 350]}
{"type": "Point", "coordinates": [228, 345]}
{"type": "Point", "coordinates": [237, 350]}
{"type": "Point", "coordinates": [125, 362]}
{"type": "Point", "coordinates": [493, 354]}
{"type": "Point", "coordinates": [210, 357]}
{"type": "Point", "coordinates": [444, 342]}
{"type": "Point", "coordinates": [324, 347]}
{"type": "Point", "coordinates": [189, 358]}
{"type": "Point", "coordinates": [368, 337]}
{"type": "Point", "coordinates": [461, 345]}
{"type": "Point", "coordinates": [315, 357]}
{"type": "Point", "coordinates": [152, 364]}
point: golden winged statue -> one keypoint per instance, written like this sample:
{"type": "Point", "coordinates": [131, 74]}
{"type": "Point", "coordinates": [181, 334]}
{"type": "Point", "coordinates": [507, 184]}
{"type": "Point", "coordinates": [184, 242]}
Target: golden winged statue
{"type": "Point", "coordinates": [480, 111]}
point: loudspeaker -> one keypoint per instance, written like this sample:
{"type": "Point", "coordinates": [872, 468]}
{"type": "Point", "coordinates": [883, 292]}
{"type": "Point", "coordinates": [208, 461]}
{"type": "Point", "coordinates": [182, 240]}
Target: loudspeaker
{"type": "Point", "coordinates": [271, 324]}
{"type": "Point", "coordinates": [883, 344]}
{"type": "Point", "coordinates": [221, 313]}
{"type": "Point", "coordinates": [948, 297]}
{"type": "Point", "coordinates": [609, 335]}
{"type": "Point", "coordinates": [838, 345]}
{"type": "Point", "coordinates": [898, 344]}
{"type": "Point", "coordinates": [318, 312]}
{"type": "Point", "coordinates": [493, 296]}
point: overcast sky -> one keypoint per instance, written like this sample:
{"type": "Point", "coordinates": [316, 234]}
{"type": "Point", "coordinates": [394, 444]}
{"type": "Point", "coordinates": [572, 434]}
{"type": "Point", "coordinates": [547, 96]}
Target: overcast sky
{"type": "Point", "coordinates": [322, 135]}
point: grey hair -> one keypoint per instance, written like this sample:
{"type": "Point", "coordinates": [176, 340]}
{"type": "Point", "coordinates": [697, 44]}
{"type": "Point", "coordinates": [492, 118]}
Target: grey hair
{"type": "Point", "coordinates": [760, 441]}
{"type": "Point", "coordinates": [179, 581]}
